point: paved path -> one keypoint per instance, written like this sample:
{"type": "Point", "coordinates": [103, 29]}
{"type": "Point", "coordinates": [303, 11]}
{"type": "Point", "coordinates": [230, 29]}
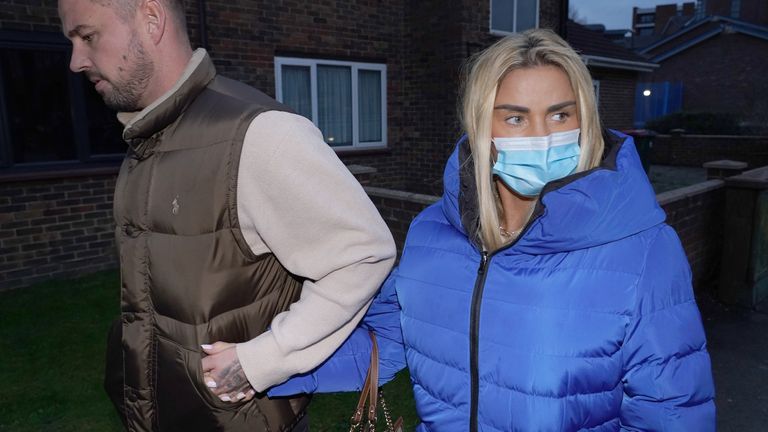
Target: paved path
{"type": "Point", "coordinates": [738, 345]}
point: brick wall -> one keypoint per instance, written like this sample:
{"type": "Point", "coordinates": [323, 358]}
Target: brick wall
{"type": "Point", "coordinates": [29, 15]}
{"type": "Point", "coordinates": [697, 214]}
{"type": "Point", "coordinates": [695, 150]}
{"type": "Point", "coordinates": [448, 33]}
{"type": "Point", "coordinates": [617, 97]}
{"type": "Point", "coordinates": [663, 14]}
{"type": "Point", "coordinates": [398, 209]}
{"type": "Point", "coordinates": [55, 228]}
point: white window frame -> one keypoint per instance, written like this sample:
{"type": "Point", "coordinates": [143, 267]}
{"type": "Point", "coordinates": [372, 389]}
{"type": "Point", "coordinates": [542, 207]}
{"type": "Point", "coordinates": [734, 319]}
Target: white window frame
{"type": "Point", "coordinates": [514, 24]}
{"type": "Point", "coordinates": [355, 67]}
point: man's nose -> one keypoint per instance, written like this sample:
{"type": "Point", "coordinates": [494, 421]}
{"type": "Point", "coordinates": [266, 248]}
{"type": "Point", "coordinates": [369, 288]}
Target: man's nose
{"type": "Point", "coordinates": [79, 62]}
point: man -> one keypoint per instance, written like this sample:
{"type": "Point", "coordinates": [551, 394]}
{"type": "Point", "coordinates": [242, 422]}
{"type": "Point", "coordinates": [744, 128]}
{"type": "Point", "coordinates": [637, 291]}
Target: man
{"type": "Point", "coordinates": [248, 252]}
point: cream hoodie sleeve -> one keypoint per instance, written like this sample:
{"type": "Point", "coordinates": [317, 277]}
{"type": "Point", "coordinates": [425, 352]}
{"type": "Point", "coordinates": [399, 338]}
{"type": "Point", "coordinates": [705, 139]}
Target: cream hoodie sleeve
{"type": "Point", "coordinates": [296, 199]}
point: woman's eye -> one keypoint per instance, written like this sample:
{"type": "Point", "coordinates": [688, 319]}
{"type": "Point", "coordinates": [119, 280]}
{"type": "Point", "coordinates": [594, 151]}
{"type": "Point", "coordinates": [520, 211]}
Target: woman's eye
{"type": "Point", "coordinates": [514, 120]}
{"type": "Point", "coordinates": [560, 117]}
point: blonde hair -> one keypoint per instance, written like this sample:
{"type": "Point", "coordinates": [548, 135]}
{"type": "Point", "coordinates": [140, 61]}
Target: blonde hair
{"type": "Point", "coordinates": [483, 74]}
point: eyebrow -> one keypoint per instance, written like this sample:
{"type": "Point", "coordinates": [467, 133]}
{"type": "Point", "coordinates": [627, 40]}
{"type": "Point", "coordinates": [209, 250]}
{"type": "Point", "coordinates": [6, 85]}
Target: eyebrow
{"type": "Point", "coordinates": [522, 109]}
{"type": "Point", "coordinates": [78, 30]}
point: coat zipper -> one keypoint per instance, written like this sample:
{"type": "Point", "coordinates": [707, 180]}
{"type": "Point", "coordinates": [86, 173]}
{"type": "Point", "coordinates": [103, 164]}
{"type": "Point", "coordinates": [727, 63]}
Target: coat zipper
{"type": "Point", "coordinates": [474, 325]}
{"type": "Point", "coordinates": [474, 335]}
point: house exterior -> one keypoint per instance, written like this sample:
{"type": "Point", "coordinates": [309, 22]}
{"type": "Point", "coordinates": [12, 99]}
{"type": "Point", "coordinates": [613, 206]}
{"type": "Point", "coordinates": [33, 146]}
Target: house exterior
{"type": "Point", "coordinates": [651, 24]}
{"type": "Point", "coordinates": [615, 71]}
{"type": "Point", "coordinates": [750, 11]}
{"type": "Point", "coordinates": [396, 64]}
{"type": "Point", "coordinates": [716, 59]}
{"type": "Point", "coordinates": [661, 19]}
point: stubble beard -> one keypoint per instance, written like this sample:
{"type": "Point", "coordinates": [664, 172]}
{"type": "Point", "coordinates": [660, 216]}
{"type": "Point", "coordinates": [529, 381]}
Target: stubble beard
{"type": "Point", "coordinates": [126, 92]}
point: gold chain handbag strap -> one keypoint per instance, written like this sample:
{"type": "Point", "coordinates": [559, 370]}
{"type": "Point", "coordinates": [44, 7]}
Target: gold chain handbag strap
{"type": "Point", "coordinates": [397, 426]}
{"type": "Point", "coordinates": [370, 396]}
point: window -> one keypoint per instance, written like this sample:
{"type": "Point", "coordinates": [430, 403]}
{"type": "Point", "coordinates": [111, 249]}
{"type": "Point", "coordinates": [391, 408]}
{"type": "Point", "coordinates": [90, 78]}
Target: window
{"type": "Point", "coordinates": [510, 16]}
{"type": "Point", "coordinates": [47, 113]}
{"type": "Point", "coordinates": [646, 19]}
{"type": "Point", "coordinates": [347, 101]}
{"type": "Point", "coordinates": [645, 31]}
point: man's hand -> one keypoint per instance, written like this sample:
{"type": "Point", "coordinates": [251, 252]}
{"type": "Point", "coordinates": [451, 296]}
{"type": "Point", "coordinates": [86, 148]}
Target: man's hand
{"type": "Point", "coordinates": [223, 374]}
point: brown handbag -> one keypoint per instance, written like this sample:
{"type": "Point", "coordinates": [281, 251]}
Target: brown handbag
{"type": "Point", "coordinates": [371, 395]}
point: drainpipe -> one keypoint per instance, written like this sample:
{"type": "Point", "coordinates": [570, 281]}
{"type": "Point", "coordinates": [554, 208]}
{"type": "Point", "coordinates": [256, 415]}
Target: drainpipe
{"type": "Point", "coordinates": [203, 27]}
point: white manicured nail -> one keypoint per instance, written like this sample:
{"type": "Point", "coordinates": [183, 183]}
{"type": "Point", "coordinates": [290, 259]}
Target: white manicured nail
{"type": "Point", "coordinates": [225, 398]}
{"type": "Point", "coordinates": [211, 384]}
{"type": "Point", "coordinates": [240, 395]}
{"type": "Point", "coordinates": [207, 346]}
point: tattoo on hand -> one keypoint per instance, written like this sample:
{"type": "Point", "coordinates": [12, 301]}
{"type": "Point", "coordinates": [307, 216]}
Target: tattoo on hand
{"type": "Point", "coordinates": [232, 378]}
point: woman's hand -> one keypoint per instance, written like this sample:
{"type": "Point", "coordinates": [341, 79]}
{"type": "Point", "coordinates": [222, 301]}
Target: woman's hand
{"type": "Point", "coordinates": [223, 373]}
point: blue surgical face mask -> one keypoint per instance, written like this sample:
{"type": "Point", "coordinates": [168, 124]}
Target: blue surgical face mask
{"type": "Point", "coordinates": [526, 164]}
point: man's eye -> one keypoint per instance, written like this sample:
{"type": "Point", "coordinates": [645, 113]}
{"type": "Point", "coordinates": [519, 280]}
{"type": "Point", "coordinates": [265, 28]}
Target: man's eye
{"type": "Point", "coordinates": [88, 38]}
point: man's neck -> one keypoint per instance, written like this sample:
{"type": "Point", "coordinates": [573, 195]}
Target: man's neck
{"type": "Point", "coordinates": [168, 70]}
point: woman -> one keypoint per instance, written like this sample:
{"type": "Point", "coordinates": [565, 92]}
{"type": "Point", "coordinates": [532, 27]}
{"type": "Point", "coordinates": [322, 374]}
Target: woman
{"type": "Point", "coordinates": [544, 291]}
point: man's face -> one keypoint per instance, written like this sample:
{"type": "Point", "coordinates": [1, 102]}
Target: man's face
{"type": "Point", "coordinates": [109, 51]}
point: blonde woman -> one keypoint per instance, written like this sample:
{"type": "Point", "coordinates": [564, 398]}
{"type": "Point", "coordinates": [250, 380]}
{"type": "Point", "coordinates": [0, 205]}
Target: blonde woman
{"type": "Point", "coordinates": [543, 292]}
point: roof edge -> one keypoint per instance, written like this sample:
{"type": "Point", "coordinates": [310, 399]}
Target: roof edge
{"type": "Point", "coordinates": [684, 46]}
{"type": "Point", "coordinates": [613, 63]}
{"type": "Point", "coordinates": [741, 26]}
{"type": "Point", "coordinates": [680, 32]}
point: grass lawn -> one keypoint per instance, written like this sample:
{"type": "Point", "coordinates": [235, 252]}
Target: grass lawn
{"type": "Point", "coordinates": [52, 340]}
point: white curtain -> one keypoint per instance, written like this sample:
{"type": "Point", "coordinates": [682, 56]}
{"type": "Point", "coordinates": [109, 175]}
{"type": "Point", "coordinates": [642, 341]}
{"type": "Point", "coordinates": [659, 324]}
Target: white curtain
{"type": "Point", "coordinates": [369, 105]}
{"type": "Point", "coordinates": [296, 89]}
{"type": "Point", "coordinates": [334, 104]}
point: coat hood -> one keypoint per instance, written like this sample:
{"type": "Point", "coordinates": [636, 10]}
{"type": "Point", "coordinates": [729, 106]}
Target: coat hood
{"type": "Point", "coordinates": [586, 209]}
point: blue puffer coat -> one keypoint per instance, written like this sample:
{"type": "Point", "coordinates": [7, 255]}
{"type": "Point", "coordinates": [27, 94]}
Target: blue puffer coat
{"type": "Point", "coordinates": [587, 322]}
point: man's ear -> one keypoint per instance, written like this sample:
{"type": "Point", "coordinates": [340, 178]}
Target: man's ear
{"type": "Point", "coordinates": [154, 17]}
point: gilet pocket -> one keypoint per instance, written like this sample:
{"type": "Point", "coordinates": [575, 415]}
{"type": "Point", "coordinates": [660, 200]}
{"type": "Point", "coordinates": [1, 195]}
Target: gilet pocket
{"type": "Point", "coordinates": [194, 368]}
{"type": "Point", "coordinates": [183, 400]}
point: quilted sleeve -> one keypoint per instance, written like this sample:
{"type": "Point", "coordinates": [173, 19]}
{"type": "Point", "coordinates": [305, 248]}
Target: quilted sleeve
{"type": "Point", "coordinates": [346, 369]}
{"type": "Point", "coordinates": [667, 373]}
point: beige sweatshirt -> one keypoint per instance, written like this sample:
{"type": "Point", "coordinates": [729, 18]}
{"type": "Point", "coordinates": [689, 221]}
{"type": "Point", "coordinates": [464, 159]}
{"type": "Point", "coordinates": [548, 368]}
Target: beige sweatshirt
{"type": "Point", "coordinates": [296, 199]}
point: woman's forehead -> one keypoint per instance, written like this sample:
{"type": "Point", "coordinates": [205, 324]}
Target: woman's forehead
{"type": "Point", "coordinates": [535, 86]}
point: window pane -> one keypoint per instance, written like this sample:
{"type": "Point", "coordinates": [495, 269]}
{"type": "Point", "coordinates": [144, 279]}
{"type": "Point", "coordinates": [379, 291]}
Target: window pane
{"type": "Point", "coordinates": [104, 130]}
{"type": "Point", "coordinates": [296, 89]}
{"type": "Point", "coordinates": [334, 104]}
{"type": "Point", "coordinates": [36, 94]}
{"type": "Point", "coordinates": [648, 31]}
{"type": "Point", "coordinates": [369, 103]}
{"type": "Point", "coordinates": [502, 15]}
{"type": "Point", "coordinates": [526, 15]}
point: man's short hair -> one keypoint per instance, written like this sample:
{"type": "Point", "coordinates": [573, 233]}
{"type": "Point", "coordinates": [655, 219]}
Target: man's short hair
{"type": "Point", "coordinates": [126, 9]}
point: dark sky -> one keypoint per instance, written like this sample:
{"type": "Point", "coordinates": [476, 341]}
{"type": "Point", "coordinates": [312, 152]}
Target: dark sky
{"type": "Point", "coordinates": [614, 14]}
